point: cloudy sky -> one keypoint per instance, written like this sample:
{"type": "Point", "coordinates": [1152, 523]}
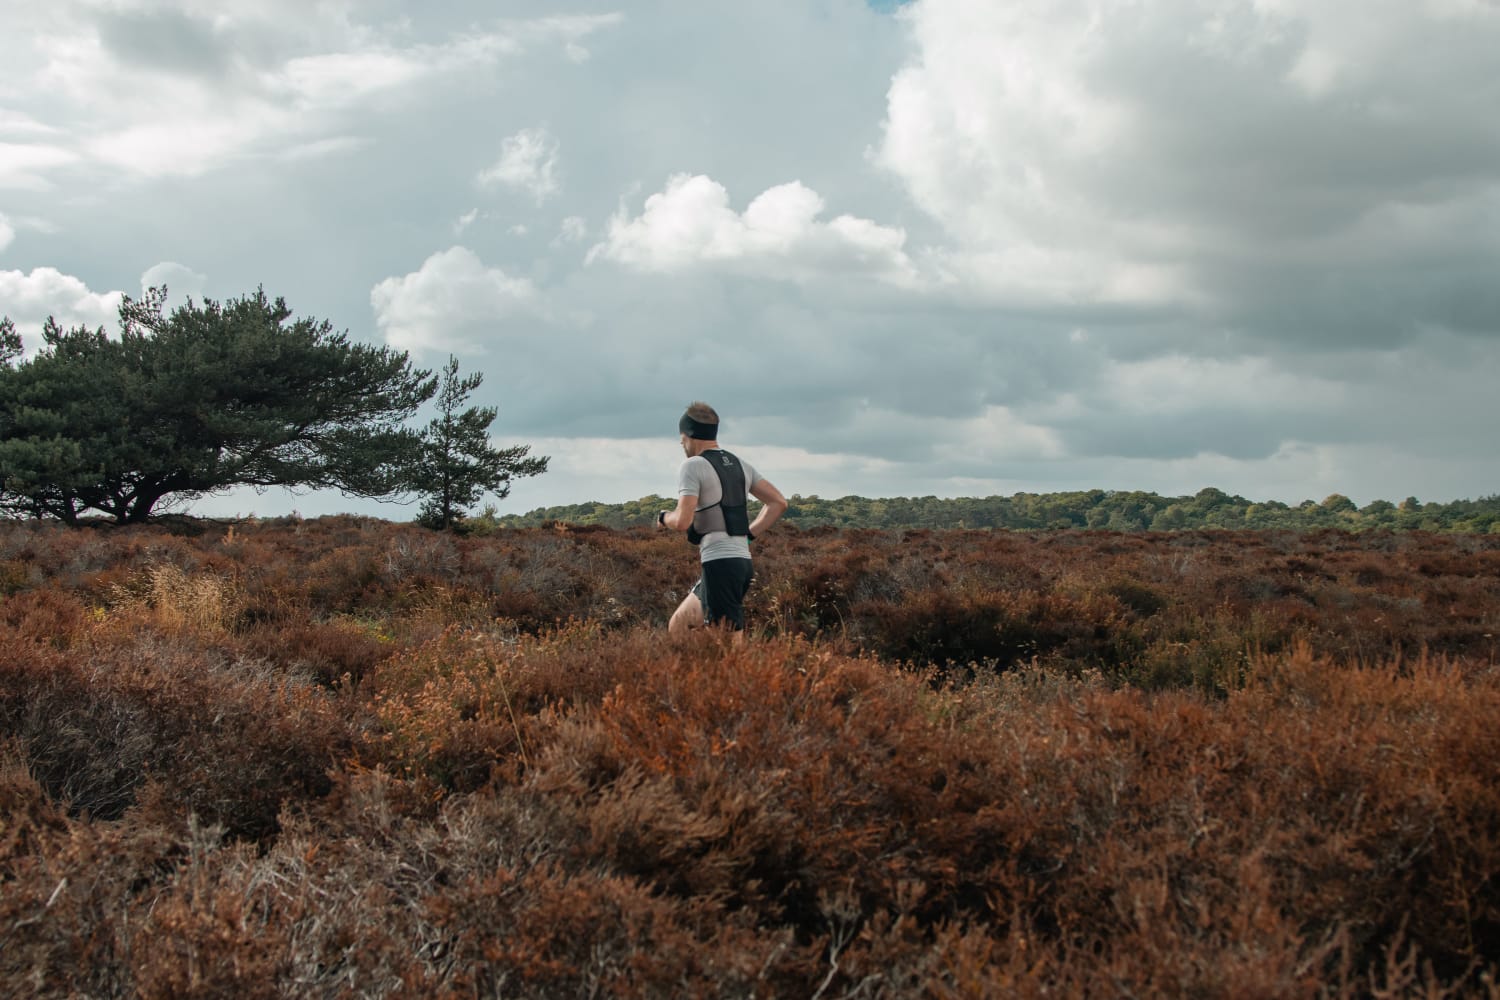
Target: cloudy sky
{"type": "Point", "coordinates": [950, 247]}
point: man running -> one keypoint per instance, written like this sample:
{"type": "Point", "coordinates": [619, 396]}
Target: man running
{"type": "Point", "coordinates": [712, 491]}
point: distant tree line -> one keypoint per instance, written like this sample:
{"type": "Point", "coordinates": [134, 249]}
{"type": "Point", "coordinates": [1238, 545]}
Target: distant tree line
{"type": "Point", "coordinates": [1108, 510]}
{"type": "Point", "coordinates": [214, 396]}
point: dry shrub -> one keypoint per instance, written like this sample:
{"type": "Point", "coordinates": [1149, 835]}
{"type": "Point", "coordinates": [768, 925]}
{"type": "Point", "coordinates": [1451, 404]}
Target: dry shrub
{"type": "Point", "coordinates": [1133, 837]}
{"type": "Point", "coordinates": [777, 818]}
{"type": "Point", "coordinates": [331, 653]}
{"type": "Point", "coordinates": [15, 576]}
{"type": "Point", "coordinates": [48, 617]}
{"type": "Point", "coordinates": [27, 813]}
{"type": "Point", "coordinates": [549, 932]}
{"type": "Point", "coordinates": [1391, 805]}
{"type": "Point", "coordinates": [341, 580]}
{"type": "Point", "coordinates": [1222, 767]}
{"type": "Point", "coordinates": [68, 895]}
{"type": "Point", "coordinates": [231, 739]}
{"type": "Point", "coordinates": [452, 707]}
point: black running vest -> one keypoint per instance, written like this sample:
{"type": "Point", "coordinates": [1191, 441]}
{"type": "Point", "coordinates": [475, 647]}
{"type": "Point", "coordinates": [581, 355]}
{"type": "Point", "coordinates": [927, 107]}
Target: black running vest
{"type": "Point", "coordinates": [727, 515]}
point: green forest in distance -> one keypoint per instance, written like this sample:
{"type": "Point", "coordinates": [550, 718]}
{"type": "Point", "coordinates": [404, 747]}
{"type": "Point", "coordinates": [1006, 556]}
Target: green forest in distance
{"type": "Point", "coordinates": [1104, 510]}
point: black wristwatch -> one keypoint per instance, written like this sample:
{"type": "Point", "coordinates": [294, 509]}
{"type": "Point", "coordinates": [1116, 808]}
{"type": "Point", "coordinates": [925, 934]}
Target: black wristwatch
{"type": "Point", "coordinates": [661, 518]}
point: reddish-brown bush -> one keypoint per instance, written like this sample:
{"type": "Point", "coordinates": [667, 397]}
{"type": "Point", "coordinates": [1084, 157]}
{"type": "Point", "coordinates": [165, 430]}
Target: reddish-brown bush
{"type": "Point", "coordinates": [351, 758]}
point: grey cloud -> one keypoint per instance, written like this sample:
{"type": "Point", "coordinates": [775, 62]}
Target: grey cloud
{"type": "Point", "coordinates": [1290, 201]}
{"type": "Point", "coordinates": [1229, 135]}
{"type": "Point", "coordinates": [1237, 435]}
{"type": "Point", "coordinates": [164, 39]}
{"type": "Point", "coordinates": [1430, 395]}
{"type": "Point", "coordinates": [1335, 303]}
{"type": "Point", "coordinates": [863, 382]}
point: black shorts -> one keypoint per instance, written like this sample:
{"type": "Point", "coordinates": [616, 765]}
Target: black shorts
{"type": "Point", "coordinates": [721, 590]}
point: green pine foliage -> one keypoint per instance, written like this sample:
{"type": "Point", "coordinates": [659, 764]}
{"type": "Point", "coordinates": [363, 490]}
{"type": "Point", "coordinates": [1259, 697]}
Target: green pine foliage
{"type": "Point", "coordinates": [209, 397]}
{"type": "Point", "coordinates": [458, 465]}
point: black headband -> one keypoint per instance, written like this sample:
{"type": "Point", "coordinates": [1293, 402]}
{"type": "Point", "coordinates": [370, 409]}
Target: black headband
{"type": "Point", "coordinates": [697, 431]}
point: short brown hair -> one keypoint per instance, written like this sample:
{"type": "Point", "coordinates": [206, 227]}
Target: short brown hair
{"type": "Point", "coordinates": [702, 412]}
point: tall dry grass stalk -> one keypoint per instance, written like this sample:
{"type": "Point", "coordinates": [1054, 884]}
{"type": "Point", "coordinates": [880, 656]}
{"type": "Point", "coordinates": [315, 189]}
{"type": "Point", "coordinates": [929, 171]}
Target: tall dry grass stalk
{"type": "Point", "coordinates": [176, 601]}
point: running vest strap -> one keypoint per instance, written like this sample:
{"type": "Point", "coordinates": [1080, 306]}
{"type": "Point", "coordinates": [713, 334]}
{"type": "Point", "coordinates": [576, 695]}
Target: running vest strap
{"type": "Point", "coordinates": [725, 515]}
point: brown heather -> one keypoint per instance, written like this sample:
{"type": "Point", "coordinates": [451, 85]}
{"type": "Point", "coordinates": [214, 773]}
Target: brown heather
{"type": "Point", "coordinates": [348, 758]}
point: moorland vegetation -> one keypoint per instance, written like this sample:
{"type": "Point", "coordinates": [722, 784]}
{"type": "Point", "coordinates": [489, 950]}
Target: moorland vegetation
{"type": "Point", "coordinates": [345, 757]}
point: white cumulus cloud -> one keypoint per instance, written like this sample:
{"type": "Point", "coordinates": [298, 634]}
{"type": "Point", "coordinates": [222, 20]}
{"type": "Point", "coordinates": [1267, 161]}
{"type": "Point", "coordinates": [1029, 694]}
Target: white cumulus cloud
{"type": "Point", "coordinates": [574, 229]}
{"type": "Point", "coordinates": [528, 162]}
{"type": "Point", "coordinates": [182, 282]}
{"type": "Point", "coordinates": [691, 224]}
{"type": "Point", "coordinates": [29, 298]}
{"type": "Point", "coordinates": [453, 302]}
{"type": "Point", "coordinates": [465, 221]}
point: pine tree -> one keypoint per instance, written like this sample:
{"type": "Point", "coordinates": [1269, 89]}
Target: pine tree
{"type": "Point", "coordinates": [458, 464]}
{"type": "Point", "coordinates": [202, 400]}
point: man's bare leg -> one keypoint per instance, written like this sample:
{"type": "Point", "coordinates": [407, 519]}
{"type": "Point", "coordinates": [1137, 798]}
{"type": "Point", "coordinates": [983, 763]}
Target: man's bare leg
{"type": "Point", "coordinates": [689, 614]}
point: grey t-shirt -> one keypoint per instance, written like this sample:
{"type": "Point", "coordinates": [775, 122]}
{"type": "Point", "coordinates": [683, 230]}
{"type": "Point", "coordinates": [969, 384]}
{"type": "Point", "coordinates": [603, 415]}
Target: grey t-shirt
{"type": "Point", "coordinates": [696, 478]}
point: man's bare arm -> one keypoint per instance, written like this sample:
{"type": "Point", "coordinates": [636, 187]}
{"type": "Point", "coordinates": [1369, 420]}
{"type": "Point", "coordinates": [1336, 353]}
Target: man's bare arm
{"type": "Point", "coordinates": [773, 505]}
{"type": "Point", "coordinates": [680, 519]}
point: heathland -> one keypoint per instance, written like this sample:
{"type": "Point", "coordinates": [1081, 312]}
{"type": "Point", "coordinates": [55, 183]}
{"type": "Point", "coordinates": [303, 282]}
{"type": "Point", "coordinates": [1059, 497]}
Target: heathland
{"type": "Point", "coordinates": [346, 757]}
